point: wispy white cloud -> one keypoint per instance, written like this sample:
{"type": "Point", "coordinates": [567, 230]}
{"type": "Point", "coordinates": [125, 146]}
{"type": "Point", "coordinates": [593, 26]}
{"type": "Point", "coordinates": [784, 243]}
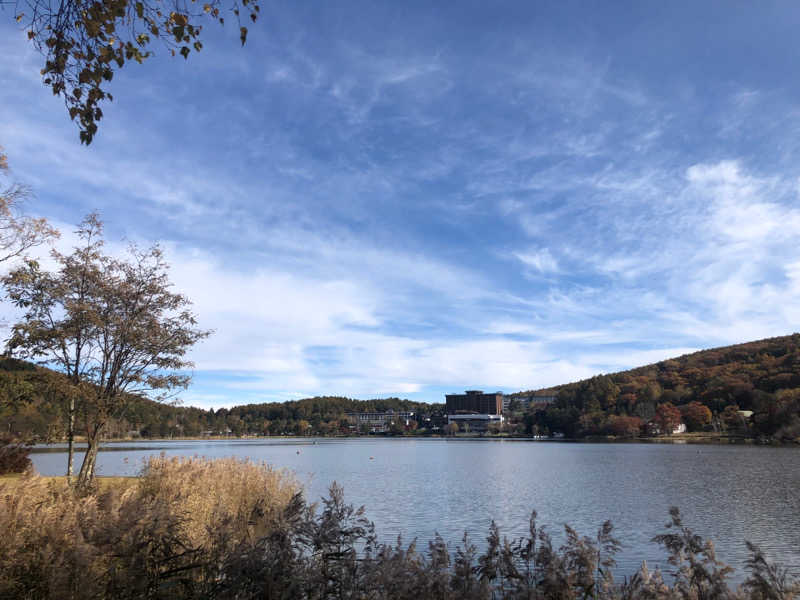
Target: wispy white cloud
{"type": "Point", "coordinates": [539, 259]}
{"type": "Point", "coordinates": [366, 209]}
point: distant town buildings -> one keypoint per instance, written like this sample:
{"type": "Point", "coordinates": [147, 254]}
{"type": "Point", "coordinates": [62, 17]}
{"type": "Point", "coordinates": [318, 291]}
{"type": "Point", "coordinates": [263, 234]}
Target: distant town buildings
{"type": "Point", "coordinates": [473, 411]}
{"type": "Point", "coordinates": [654, 428]}
{"type": "Point", "coordinates": [380, 421]}
{"type": "Point", "coordinates": [530, 401]}
{"type": "Point", "coordinates": [521, 401]}
{"type": "Point", "coordinates": [543, 400]}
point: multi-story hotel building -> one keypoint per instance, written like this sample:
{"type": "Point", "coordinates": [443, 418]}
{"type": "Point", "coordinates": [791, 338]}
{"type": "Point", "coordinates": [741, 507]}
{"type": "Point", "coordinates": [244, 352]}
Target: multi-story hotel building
{"type": "Point", "coordinates": [476, 402]}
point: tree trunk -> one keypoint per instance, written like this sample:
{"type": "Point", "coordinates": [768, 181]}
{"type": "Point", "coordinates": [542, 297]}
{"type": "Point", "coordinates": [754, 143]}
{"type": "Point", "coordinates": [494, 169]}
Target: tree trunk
{"type": "Point", "coordinates": [70, 438]}
{"type": "Point", "coordinates": [86, 474]}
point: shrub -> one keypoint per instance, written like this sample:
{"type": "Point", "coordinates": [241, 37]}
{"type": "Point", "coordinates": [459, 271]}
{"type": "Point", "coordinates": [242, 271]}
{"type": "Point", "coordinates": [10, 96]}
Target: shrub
{"type": "Point", "coordinates": [14, 456]}
{"type": "Point", "coordinates": [623, 426]}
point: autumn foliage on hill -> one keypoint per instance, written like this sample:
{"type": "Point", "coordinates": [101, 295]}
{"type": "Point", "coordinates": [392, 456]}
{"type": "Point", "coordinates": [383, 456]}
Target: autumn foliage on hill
{"type": "Point", "coordinates": [707, 389]}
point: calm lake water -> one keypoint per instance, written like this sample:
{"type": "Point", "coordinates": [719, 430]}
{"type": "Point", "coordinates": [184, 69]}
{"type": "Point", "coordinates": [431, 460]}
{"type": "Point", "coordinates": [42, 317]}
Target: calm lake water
{"type": "Point", "coordinates": [416, 487]}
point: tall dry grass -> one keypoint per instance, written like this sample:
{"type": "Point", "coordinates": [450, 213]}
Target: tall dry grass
{"type": "Point", "coordinates": [165, 533]}
{"type": "Point", "coordinates": [212, 492]}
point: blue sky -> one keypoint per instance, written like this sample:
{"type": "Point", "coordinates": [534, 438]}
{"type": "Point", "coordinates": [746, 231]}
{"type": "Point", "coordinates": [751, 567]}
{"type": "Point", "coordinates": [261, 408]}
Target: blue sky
{"type": "Point", "coordinates": [375, 199]}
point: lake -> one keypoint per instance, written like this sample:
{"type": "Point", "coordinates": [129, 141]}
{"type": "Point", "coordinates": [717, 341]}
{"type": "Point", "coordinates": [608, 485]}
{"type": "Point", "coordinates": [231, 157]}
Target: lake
{"type": "Point", "coordinates": [416, 487]}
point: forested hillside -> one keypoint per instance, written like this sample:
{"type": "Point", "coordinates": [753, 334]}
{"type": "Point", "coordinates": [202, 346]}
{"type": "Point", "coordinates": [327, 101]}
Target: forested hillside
{"type": "Point", "coordinates": [709, 389]}
{"type": "Point", "coordinates": [31, 408]}
{"type": "Point", "coordinates": [319, 415]}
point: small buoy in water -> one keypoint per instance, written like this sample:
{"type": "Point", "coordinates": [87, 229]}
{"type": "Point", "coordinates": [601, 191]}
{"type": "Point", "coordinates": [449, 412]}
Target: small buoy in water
{"type": "Point", "coordinates": [372, 458]}
{"type": "Point", "coordinates": [298, 451]}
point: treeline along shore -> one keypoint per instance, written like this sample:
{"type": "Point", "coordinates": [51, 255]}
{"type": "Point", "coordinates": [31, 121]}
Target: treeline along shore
{"type": "Point", "coordinates": [749, 390]}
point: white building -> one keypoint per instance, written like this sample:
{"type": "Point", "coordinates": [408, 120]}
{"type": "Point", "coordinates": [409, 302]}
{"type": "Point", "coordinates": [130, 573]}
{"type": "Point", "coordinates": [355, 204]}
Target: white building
{"type": "Point", "coordinates": [474, 422]}
{"type": "Point", "coordinates": [380, 421]}
{"type": "Point", "coordinates": [526, 401]}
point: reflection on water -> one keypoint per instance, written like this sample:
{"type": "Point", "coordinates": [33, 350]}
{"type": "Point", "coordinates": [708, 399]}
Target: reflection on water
{"type": "Point", "coordinates": [417, 487]}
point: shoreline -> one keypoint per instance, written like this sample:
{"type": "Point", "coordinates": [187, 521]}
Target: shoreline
{"type": "Point", "coordinates": [690, 438]}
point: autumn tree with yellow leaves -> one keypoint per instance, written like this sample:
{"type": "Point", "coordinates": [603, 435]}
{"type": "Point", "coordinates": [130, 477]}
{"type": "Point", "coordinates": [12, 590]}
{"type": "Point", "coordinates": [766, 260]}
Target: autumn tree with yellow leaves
{"type": "Point", "coordinates": [84, 42]}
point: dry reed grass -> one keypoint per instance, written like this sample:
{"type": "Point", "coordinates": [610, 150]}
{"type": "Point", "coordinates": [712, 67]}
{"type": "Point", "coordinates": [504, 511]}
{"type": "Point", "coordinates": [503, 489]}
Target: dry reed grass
{"type": "Point", "coordinates": [121, 540]}
{"type": "Point", "coordinates": [210, 492]}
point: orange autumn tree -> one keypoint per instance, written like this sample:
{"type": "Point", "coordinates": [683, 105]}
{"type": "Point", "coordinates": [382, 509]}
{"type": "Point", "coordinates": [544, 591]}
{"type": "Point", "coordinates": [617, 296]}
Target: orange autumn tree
{"type": "Point", "coordinates": [696, 416]}
{"type": "Point", "coordinates": [667, 417]}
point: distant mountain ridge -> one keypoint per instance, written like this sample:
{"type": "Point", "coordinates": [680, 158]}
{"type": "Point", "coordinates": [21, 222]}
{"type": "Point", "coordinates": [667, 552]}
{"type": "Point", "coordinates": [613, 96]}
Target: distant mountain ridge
{"type": "Point", "coordinates": [736, 357]}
